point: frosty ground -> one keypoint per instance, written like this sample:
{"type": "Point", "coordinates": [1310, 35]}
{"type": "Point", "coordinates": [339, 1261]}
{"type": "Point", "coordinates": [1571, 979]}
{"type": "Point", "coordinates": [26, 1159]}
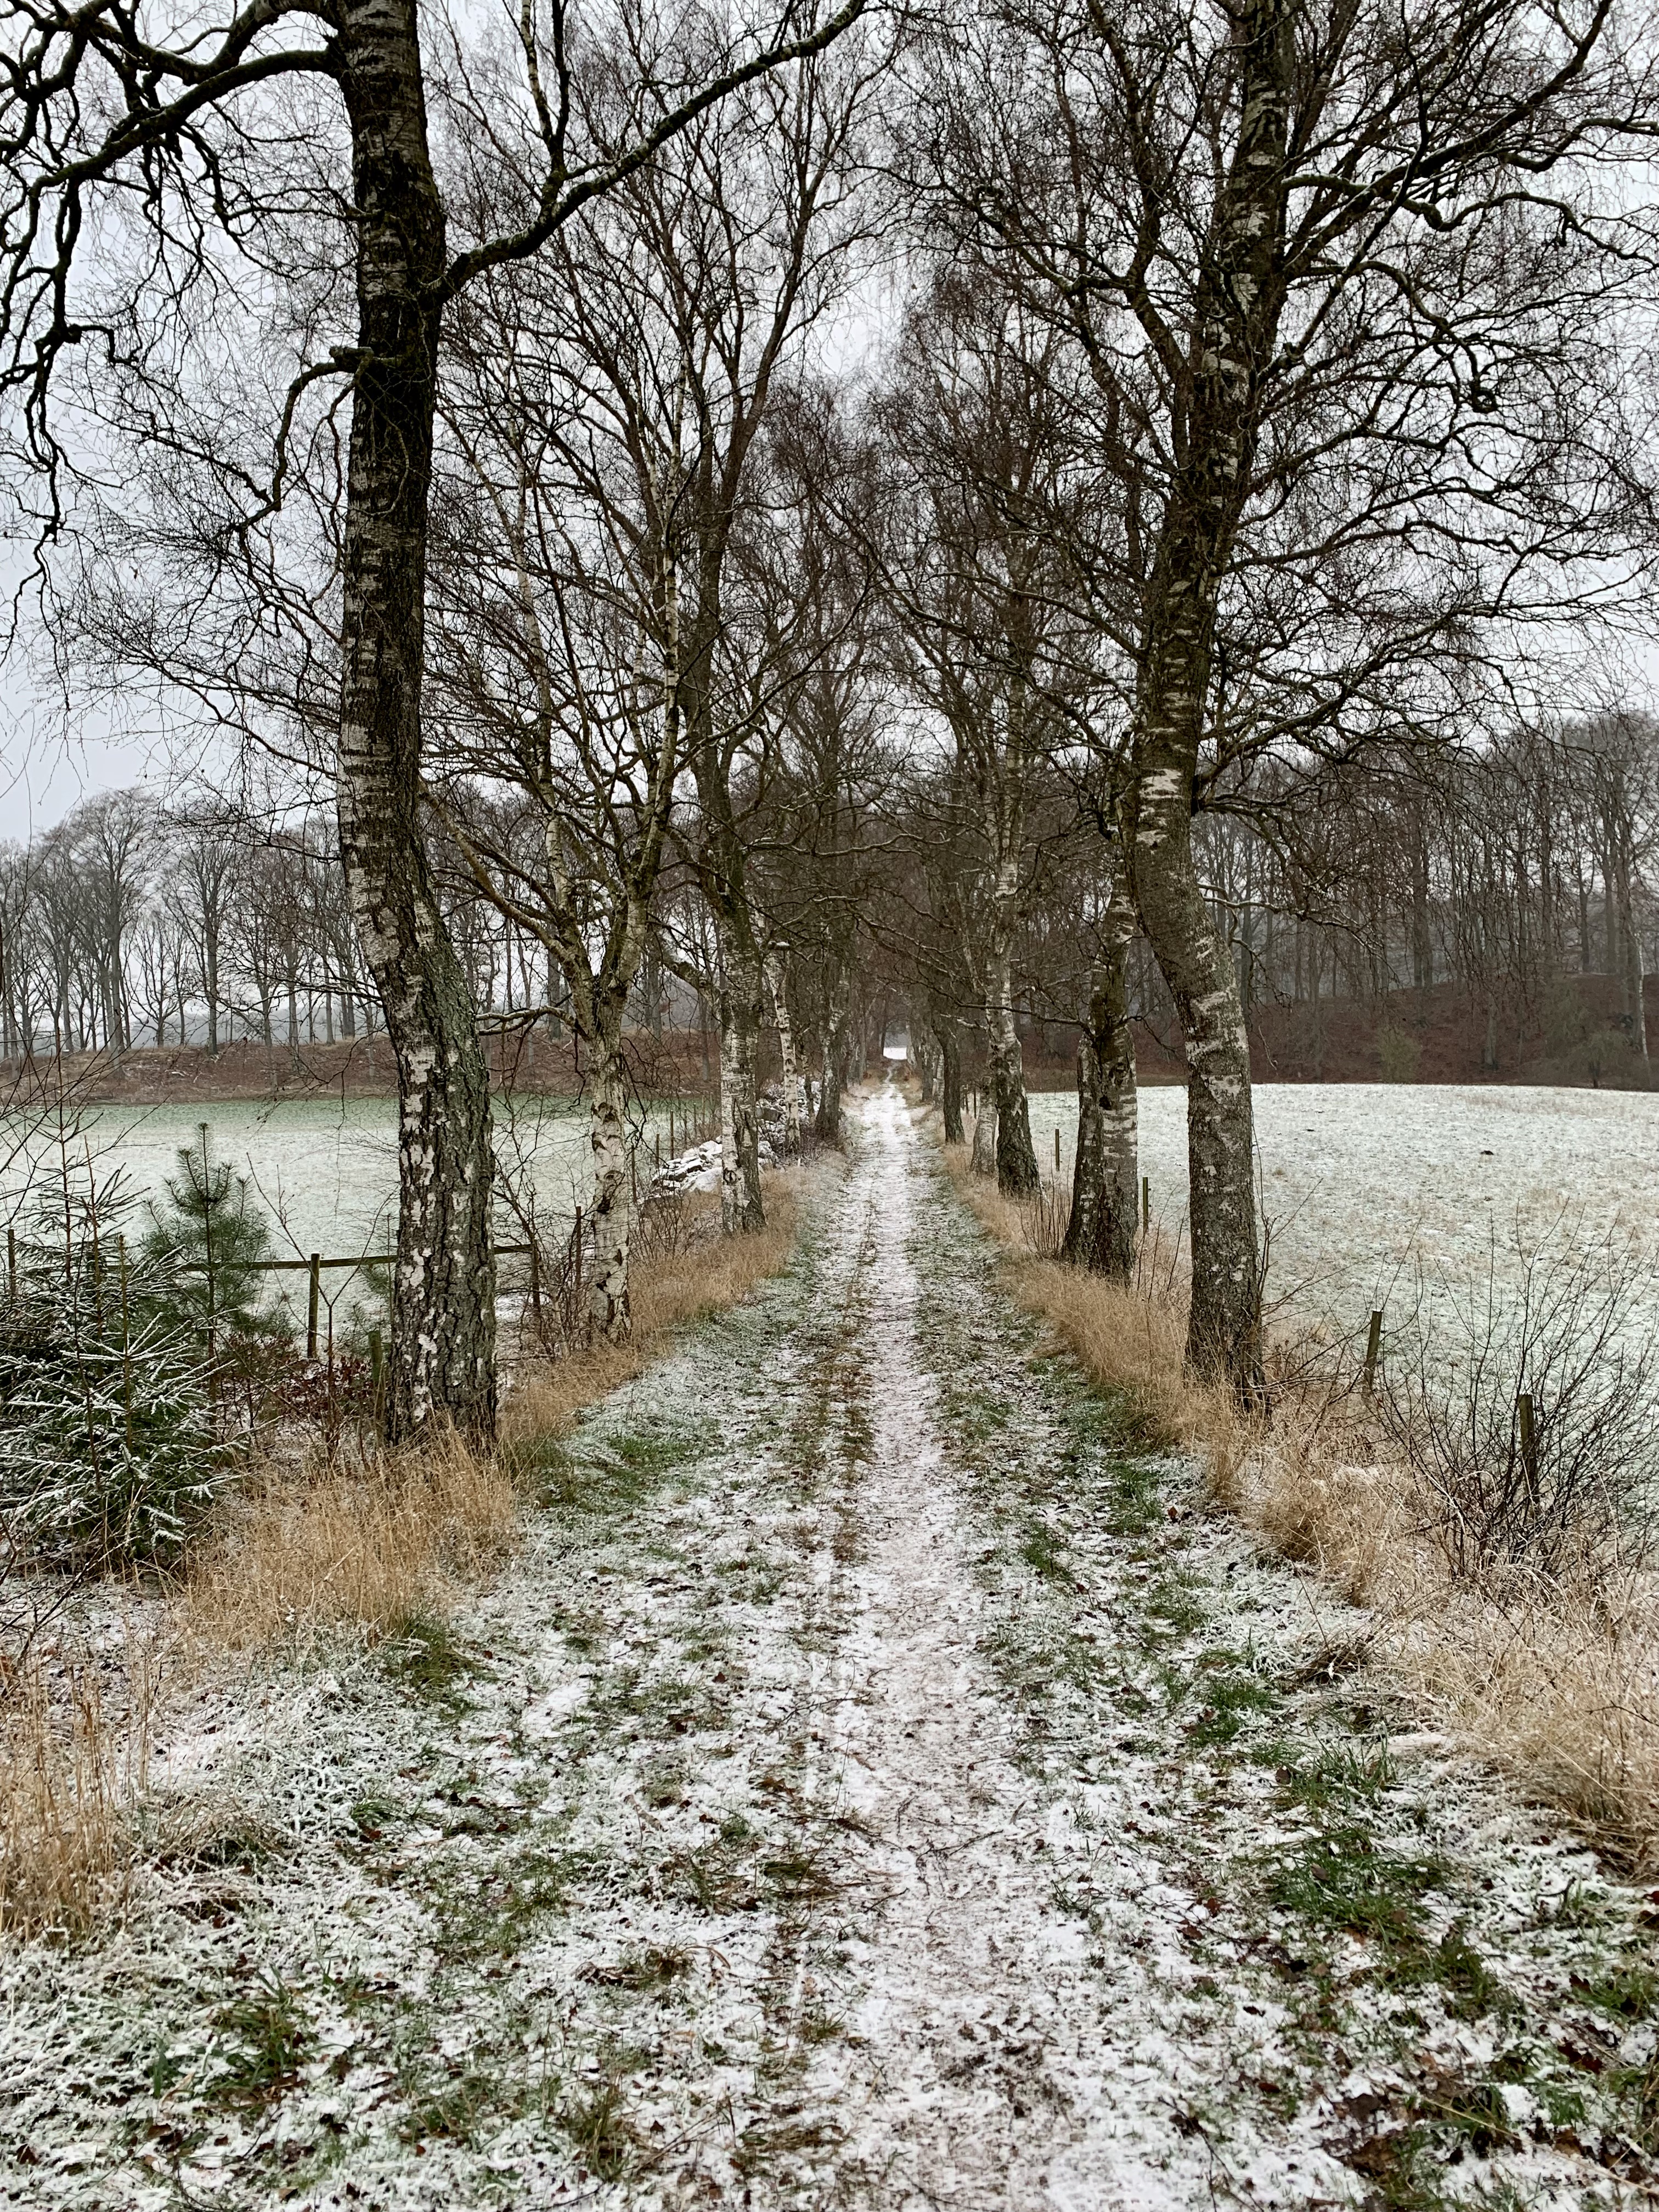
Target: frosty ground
{"type": "Point", "coordinates": [879, 1781]}
{"type": "Point", "coordinates": [325, 1171]}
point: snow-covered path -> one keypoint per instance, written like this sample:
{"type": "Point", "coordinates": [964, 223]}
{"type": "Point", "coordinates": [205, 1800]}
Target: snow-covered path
{"type": "Point", "coordinates": [985, 2063]}
{"type": "Point", "coordinates": [879, 1782]}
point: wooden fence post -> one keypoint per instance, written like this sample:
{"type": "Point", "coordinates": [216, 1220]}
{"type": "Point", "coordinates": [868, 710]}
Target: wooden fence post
{"type": "Point", "coordinates": [535, 1277]}
{"type": "Point", "coordinates": [1056, 1153]}
{"type": "Point", "coordinates": [311, 1305]}
{"type": "Point", "coordinates": [1528, 1447]}
{"type": "Point", "coordinates": [1373, 1346]}
{"type": "Point", "coordinates": [1146, 1205]}
{"type": "Point", "coordinates": [126, 1335]}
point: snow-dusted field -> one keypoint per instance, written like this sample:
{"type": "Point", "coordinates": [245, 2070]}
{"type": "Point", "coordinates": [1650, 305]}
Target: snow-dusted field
{"type": "Point", "coordinates": [1360, 1180]}
{"type": "Point", "coordinates": [326, 1170]}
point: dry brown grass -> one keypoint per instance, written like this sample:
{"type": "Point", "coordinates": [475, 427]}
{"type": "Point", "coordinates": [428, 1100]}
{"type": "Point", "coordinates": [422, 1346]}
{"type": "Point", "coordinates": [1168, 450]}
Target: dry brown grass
{"type": "Point", "coordinates": [1124, 1336]}
{"type": "Point", "coordinates": [1557, 1682]}
{"type": "Point", "coordinates": [367, 1542]}
{"type": "Point", "coordinates": [373, 1540]}
{"type": "Point", "coordinates": [70, 1774]}
{"type": "Point", "coordinates": [668, 1292]}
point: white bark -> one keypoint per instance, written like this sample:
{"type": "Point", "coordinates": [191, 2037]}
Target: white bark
{"type": "Point", "coordinates": [791, 1103]}
{"type": "Point", "coordinates": [610, 1214]}
{"type": "Point", "coordinates": [741, 1207]}
{"type": "Point", "coordinates": [985, 1136]}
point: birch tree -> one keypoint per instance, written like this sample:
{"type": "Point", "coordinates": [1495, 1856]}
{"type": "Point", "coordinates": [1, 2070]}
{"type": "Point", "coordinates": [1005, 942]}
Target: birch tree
{"type": "Point", "coordinates": [982, 583]}
{"type": "Point", "coordinates": [556, 598]}
{"type": "Point", "coordinates": [808, 586]}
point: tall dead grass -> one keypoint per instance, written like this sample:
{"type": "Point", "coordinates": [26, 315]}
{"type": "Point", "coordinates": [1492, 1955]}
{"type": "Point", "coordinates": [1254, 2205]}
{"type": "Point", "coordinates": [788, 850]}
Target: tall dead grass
{"type": "Point", "coordinates": [1126, 1336]}
{"type": "Point", "coordinates": [1555, 1679]}
{"type": "Point", "coordinates": [71, 1772]}
{"type": "Point", "coordinates": [367, 1542]}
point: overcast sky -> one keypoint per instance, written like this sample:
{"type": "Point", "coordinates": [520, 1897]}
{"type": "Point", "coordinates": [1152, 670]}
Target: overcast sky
{"type": "Point", "coordinates": [43, 778]}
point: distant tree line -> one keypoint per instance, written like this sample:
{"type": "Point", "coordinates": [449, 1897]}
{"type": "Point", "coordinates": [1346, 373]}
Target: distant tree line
{"type": "Point", "coordinates": [128, 923]}
{"type": "Point", "coordinates": [1508, 870]}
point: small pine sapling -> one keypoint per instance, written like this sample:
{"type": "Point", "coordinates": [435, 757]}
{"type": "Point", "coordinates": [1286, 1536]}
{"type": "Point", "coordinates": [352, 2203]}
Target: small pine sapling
{"type": "Point", "coordinates": [203, 1256]}
{"type": "Point", "coordinates": [108, 1449]}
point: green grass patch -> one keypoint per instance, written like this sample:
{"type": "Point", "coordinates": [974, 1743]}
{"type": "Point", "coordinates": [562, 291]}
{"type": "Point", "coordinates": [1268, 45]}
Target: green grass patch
{"type": "Point", "coordinates": [1042, 1552]}
{"type": "Point", "coordinates": [239, 1841]}
{"type": "Point", "coordinates": [453, 2109]}
{"type": "Point", "coordinates": [1341, 1879]}
{"type": "Point", "coordinates": [1628, 1990]}
{"type": "Point", "coordinates": [1231, 1692]}
{"type": "Point", "coordinates": [1635, 2092]}
{"type": "Point", "coordinates": [490, 1912]}
{"type": "Point", "coordinates": [1475, 2112]}
{"type": "Point", "coordinates": [717, 1878]}
{"type": "Point", "coordinates": [607, 1474]}
{"type": "Point", "coordinates": [1174, 1599]}
{"type": "Point", "coordinates": [1337, 1774]}
{"type": "Point", "coordinates": [656, 1706]}
{"type": "Point", "coordinates": [636, 1462]}
{"type": "Point", "coordinates": [1468, 1986]}
{"type": "Point", "coordinates": [267, 2038]}
{"type": "Point", "coordinates": [372, 1814]}
{"type": "Point", "coordinates": [764, 2142]}
{"type": "Point", "coordinates": [598, 2123]}
{"type": "Point", "coordinates": [424, 1654]}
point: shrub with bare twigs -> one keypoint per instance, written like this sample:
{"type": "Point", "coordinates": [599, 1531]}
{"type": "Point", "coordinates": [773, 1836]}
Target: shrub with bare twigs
{"type": "Point", "coordinates": [1525, 1408]}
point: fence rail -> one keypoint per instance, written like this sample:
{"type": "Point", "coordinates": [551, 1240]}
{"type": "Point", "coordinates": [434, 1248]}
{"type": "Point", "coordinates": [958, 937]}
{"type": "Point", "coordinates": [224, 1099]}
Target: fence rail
{"type": "Point", "coordinates": [362, 1259]}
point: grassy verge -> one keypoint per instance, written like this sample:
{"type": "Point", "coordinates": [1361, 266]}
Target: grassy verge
{"type": "Point", "coordinates": [1362, 1915]}
{"type": "Point", "coordinates": [1555, 1679]}
{"type": "Point", "coordinates": [372, 1546]}
{"type": "Point", "coordinates": [669, 1291]}
{"type": "Point", "coordinates": [374, 1541]}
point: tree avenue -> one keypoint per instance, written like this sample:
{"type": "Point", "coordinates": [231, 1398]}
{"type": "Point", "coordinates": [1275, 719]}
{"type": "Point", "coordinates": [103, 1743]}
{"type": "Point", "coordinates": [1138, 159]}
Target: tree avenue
{"type": "Point", "coordinates": [1348, 284]}
{"type": "Point", "coordinates": [1053, 534]}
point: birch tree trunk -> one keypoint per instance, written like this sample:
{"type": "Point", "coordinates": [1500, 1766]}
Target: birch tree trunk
{"type": "Point", "coordinates": [777, 985]}
{"type": "Point", "coordinates": [1016, 1159]}
{"type": "Point", "coordinates": [985, 1134]}
{"type": "Point", "coordinates": [443, 1304]}
{"type": "Point", "coordinates": [1240, 301]}
{"type": "Point", "coordinates": [741, 1022]}
{"type": "Point", "coordinates": [611, 1209]}
{"type": "Point", "coordinates": [950, 1059]}
{"type": "Point", "coordinates": [1223, 1337]}
{"type": "Point", "coordinates": [1100, 1233]}
{"type": "Point", "coordinates": [827, 1126]}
